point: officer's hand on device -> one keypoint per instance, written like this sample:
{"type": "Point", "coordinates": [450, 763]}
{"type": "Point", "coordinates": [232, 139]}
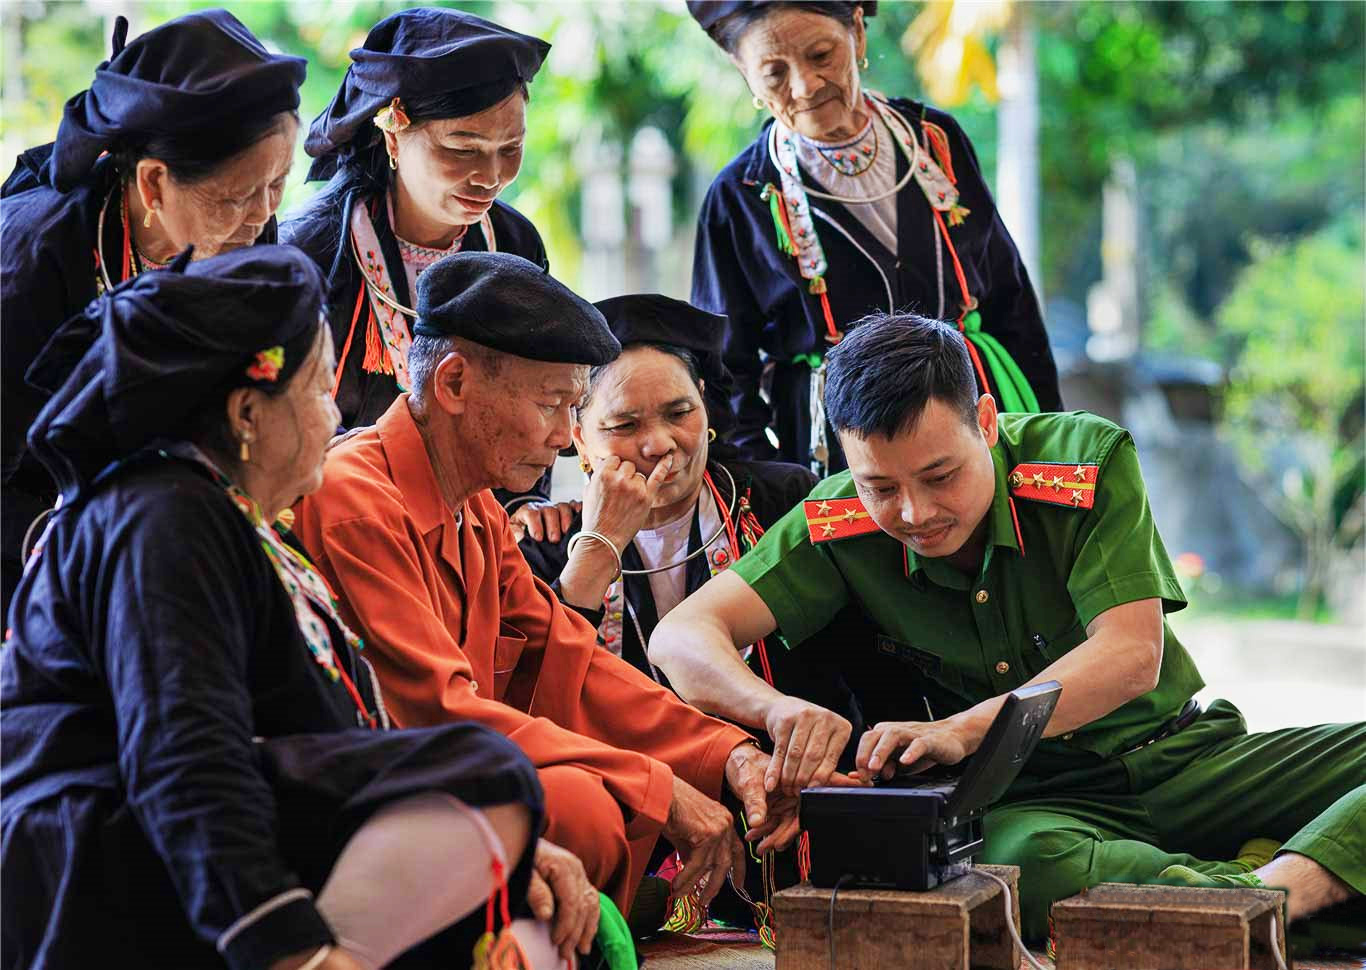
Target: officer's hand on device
{"type": "Point", "coordinates": [916, 745]}
{"type": "Point", "coordinates": [807, 743]}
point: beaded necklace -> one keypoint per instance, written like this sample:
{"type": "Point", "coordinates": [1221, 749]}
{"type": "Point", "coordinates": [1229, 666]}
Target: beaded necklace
{"type": "Point", "coordinates": [853, 158]}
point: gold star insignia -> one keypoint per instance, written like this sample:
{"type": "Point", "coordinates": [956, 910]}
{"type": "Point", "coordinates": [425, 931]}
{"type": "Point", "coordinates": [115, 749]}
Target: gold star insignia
{"type": "Point", "coordinates": [827, 529]}
{"type": "Point", "coordinates": [1080, 473]}
{"type": "Point", "coordinates": [850, 515]}
{"type": "Point", "coordinates": [823, 508]}
{"type": "Point", "coordinates": [1056, 483]}
{"type": "Point", "coordinates": [1038, 479]}
{"type": "Point", "coordinates": [1076, 498]}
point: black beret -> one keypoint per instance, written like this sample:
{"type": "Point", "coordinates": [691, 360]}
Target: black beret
{"type": "Point", "coordinates": [650, 318]}
{"type": "Point", "coordinates": [472, 62]}
{"type": "Point", "coordinates": [156, 349]}
{"type": "Point", "coordinates": [510, 304]}
{"type": "Point", "coordinates": [203, 72]}
{"type": "Point", "coordinates": [708, 13]}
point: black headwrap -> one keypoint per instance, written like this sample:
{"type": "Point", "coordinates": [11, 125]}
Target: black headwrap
{"type": "Point", "coordinates": [649, 318]}
{"type": "Point", "coordinates": [417, 53]}
{"type": "Point", "coordinates": [708, 13]}
{"type": "Point", "coordinates": [511, 305]}
{"type": "Point", "coordinates": [201, 72]}
{"type": "Point", "coordinates": [151, 354]}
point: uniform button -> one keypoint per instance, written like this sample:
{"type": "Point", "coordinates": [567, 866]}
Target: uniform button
{"type": "Point", "coordinates": [474, 686]}
{"type": "Point", "coordinates": [1002, 667]}
{"type": "Point", "coordinates": [1067, 736]}
{"type": "Point", "coordinates": [982, 596]}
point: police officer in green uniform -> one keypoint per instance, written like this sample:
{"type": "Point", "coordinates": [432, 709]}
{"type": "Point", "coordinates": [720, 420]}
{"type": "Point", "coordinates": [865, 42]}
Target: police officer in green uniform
{"type": "Point", "coordinates": [995, 550]}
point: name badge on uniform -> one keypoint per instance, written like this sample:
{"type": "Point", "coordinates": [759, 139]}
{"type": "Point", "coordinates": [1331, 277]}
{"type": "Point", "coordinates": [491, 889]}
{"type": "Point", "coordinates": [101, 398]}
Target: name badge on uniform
{"type": "Point", "coordinates": [929, 664]}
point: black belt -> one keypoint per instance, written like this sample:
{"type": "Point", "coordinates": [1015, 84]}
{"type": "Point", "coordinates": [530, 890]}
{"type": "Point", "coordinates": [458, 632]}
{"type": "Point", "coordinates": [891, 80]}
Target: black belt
{"type": "Point", "coordinates": [1187, 716]}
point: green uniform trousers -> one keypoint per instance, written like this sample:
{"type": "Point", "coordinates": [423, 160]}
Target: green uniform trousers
{"type": "Point", "coordinates": [1191, 799]}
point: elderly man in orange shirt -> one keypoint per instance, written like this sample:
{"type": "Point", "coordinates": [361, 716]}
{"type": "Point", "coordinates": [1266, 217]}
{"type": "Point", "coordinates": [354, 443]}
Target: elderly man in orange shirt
{"type": "Point", "coordinates": [427, 568]}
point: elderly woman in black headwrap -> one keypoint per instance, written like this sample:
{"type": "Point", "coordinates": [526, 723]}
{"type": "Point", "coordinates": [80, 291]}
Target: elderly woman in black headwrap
{"type": "Point", "coordinates": [194, 743]}
{"type": "Point", "coordinates": [184, 137]}
{"type": "Point", "coordinates": [424, 134]}
{"type": "Point", "coordinates": [848, 202]}
{"type": "Point", "coordinates": [668, 501]}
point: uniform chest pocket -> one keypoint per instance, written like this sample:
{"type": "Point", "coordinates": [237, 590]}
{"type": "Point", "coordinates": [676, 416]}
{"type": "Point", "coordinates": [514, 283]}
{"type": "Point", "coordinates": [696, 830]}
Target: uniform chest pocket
{"type": "Point", "coordinates": [923, 663]}
{"type": "Point", "coordinates": [1047, 648]}
{"type": "Point", "coordinates": [507, 650]}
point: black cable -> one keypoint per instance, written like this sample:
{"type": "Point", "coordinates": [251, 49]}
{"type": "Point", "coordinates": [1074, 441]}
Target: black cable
{"type": "Point", "coordinates": [834, 894]}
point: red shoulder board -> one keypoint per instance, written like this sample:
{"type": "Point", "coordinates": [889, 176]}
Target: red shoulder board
{"type": "Point", "coordinates": [1057, 483]}
{"type": "Point", "coordinates": [837, 518]}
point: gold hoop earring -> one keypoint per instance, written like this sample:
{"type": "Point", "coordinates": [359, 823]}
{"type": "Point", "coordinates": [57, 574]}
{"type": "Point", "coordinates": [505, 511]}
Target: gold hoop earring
{"type": "Point", "coordinates": [151, 211]}
{"type": "Point", "coordinates": [759, 103]}
{"type": "Point", "coordinates": [711, 434]}
{"type": "Point", "coordinates": [585, 464]}
{"type": "Point", "coordinates": [863, 64]}
{"type": "Point", "coordinates": [244, 451]}
{"type": "Point", "coordinates": [393, 163]}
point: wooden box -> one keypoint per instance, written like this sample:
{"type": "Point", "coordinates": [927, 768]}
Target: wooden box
{"type": "Point", "coordinates": [1169, 927]}
{"type": "Point", "coordinates": [960, 925]}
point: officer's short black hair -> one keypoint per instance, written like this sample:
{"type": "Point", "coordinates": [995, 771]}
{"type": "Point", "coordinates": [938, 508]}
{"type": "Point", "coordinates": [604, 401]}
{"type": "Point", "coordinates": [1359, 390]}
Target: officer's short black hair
{"type": "Point", "coordinates": [884, 373]}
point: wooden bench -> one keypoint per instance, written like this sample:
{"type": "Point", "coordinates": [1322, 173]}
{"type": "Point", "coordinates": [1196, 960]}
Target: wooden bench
{"type": "Point", "coordinates": [1169, 927]}
{"type": "Point", "coordinates": [960, 925]}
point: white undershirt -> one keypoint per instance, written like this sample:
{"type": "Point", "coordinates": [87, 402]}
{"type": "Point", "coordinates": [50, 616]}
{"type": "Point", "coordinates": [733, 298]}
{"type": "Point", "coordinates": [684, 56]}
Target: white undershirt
{"type": "Point", "coordinates": [669, 543]}
{"type": "Point", "coordinates": [879, 217]}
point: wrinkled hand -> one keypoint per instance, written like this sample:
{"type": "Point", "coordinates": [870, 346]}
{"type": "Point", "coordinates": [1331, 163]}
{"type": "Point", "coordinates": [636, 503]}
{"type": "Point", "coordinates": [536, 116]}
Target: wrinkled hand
{"type": "Point", "coordinates": [916, 744]}
{"type": "Point", "coordinates": [560, 889]}
{"type": "Point", "coordinates": [807, 743]}
{"type": "Point", "coordinates": [337, 959]}
{"type": "Point", "coordinates": [618, 498]}
{"type": "Point", "coordinates": [772, 818]}
{"type": "Point", "coordinates": [703, 833]}
{"type": "Point", "coordinates": [544, 520]}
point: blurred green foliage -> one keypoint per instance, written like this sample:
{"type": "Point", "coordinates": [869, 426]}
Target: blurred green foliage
{"type": "Point", "coordinates": [1294, 325]}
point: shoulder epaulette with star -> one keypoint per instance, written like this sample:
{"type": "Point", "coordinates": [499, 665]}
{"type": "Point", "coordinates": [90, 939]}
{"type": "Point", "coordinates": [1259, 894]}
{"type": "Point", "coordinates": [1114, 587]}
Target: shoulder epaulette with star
{"type": "Point", "coordinates": [1057, 483]}
{"type": "Point", "coordinates": [837, 518]}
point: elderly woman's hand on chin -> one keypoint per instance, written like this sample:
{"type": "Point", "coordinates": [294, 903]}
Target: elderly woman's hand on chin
{"type": "Point", "coordinates": [616, 504]}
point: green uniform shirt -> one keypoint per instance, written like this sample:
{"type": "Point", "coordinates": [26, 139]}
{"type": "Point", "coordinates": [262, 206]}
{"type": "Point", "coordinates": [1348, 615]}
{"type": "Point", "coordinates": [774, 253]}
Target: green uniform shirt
{"type": "Point", "coordinates": [975, 637]}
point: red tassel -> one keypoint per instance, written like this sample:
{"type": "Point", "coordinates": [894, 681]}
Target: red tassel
{"type": "Point", "coordinates": [376, 357]}
{"type": "Point", "coordinates": [502, 952]}
{"type": "Point", "coordinates": [939, 144]}
{"type": "Point", "coordinates": [760, 646]}
{"type": "Point", "coordinates": [346, 348]}
{"type": "Point", "coordinates": [977, 364]}
{"type": "Point", "coordinates": [832, 332]}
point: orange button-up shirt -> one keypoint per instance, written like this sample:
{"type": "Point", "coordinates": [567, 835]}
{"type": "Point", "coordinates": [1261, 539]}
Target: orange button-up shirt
{"type": "Point", "coordinates": [458, 628]}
